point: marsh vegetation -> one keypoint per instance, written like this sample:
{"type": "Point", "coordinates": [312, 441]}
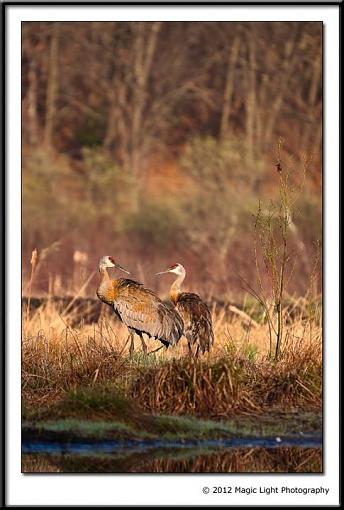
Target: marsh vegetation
{"type": "Point", "coordinates": [157, 143]}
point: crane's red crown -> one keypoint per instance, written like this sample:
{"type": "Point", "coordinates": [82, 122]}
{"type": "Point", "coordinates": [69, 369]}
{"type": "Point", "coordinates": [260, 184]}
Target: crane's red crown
{"type": "Point", "coordinates": [173, 266]}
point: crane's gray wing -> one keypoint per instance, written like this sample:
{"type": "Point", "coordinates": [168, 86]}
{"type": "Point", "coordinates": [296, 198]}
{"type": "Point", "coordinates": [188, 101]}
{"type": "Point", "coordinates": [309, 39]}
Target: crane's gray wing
{"type": "Point", "coordinates": [141, 309]}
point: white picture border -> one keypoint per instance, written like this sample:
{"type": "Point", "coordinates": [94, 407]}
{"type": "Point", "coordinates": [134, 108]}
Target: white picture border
{"type": "Point", "coordinates": [170, 489]}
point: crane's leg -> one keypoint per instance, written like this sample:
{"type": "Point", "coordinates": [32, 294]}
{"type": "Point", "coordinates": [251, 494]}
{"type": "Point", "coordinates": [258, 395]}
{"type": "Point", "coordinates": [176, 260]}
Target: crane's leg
{"type": "Point", "coordinates": [164, 344]}
{"type": "Point", "coordinates": [144, 346]}
{"type": "Point", "coordinates": [156, 350]}
{"type": "Point", "coordinates": [132, 345]}
{"type": "Point", "coordinates": [190, 349]}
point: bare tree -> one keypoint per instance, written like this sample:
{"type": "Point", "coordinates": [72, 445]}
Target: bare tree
{"type": "Point", "coordinates": [233, 55]}
{"type": "Point", "coordinates": [147, 83]}
{"type": "Point", "coordinates": [251, 110]}
{"type": "Point", "coordinates": [287, 66]}
{"type": "Point", "coordinates": [52, 85]}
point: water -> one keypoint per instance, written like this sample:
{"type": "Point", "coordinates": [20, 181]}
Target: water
{"type": "Point", "coordinates": [216, 456]}
{"type": "Point", "coordinates": [92, 447]}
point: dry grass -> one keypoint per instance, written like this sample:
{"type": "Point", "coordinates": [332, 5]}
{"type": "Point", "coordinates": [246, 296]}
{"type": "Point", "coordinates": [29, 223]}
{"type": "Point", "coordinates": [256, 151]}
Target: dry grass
{"type": "Point", "coordinates": [236, 376]}
{"type": "Point", "coordinates": [229, 385]}
{"type": "Point", "coordinates": [254, 460]}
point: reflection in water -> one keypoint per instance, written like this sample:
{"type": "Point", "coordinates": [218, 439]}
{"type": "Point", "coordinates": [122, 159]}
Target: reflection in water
{"type": "Point", "coordinates": [239, 460]}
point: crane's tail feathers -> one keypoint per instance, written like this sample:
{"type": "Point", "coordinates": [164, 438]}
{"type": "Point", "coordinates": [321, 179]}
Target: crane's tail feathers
{"type": "Point", "coordinates": [203, 336]}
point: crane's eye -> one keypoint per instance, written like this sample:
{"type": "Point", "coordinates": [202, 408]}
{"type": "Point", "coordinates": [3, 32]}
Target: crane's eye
{"type": "Point", "coordinates": [111, 259]}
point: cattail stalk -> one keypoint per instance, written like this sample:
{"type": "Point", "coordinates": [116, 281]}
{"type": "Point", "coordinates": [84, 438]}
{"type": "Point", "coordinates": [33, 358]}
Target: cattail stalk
{"type": "Point", "coordinates": [33, 263]}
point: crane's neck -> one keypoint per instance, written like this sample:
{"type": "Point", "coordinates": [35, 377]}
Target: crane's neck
{"type": "Point", "coordinates": [176, 288]}
{"type": "Point", "coordinates": [104, 285]}
{"type": "Point", "coordinates": [104, 275]}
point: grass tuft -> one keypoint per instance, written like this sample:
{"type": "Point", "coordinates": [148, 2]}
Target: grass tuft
{"type": "Point", "coordinates": [86, 370]}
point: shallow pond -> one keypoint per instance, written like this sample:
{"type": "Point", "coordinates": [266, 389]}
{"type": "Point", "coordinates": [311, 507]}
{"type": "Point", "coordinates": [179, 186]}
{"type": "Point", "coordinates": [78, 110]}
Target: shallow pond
{"type": "Point", "coordinates": [274, 455]}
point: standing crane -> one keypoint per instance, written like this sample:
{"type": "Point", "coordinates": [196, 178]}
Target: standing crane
{"type": "Point", "coordinates": [140, 309]}
{"type": "Point", "coordinates": [194, 312]}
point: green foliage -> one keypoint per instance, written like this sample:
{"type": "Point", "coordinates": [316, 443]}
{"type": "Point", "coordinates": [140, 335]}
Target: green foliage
{"type": "Point", "coordinates": [157, 224]}
{"type": "Point", "coordinates": [308, 217]}
{"type": "Point", "coordinates": [230, 349]}
{"type": "Point", "coordinates": [223, 200]}
{"type": "Point", "coordinates": [108, 189]}
{"type": "Point", "coordinates": [215, 163]}
{"type": "Point", "coordinates": [104, 398]}
{"type": "Point", "coordinates": [251, 351]}
{"type": "Point", "coordinates": [44, 213]}
{"type": "Point", "coordinates": [95, 199]}
{"type": "Point", "coordinates": [254, 308]}
{"type": "Point", "coordinates": [90, 133]}
{"type": "Point", "coordinates": [59, 200]}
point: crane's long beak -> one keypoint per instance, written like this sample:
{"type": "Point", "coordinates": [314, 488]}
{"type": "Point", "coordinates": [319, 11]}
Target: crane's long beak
{"type": "Point", "coordinates": [162, 272]}
{"type": "Point", "coordinates": [121, 268]}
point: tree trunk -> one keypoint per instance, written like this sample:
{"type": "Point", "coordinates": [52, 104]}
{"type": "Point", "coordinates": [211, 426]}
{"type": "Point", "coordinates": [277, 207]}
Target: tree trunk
{"type": "Point", "coordinates": [32, 104]}
{"type": "Point", "coordinates": [282, 85]}
{"type": "Point", "coordinates": [228, 92]}
{"type": "Point", "coordinates": [52, 86]}
{"type": "Point", "coordinates": [312, 99]}
{"type": "Point", "coordinates": [144, 53]}
{"type": "Point", "coordinates": [251, 98]}
{"type": "Point", "coordinates": [110, 133]}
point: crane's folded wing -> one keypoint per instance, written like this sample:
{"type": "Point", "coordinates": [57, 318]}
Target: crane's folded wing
{"type": "Point", "coordinates": [142, 310]}
{"type": "Point", "coordinates": [197, 319]}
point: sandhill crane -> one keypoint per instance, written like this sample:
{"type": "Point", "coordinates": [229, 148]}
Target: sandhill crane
{"type": "Point", "coordinates": [138, 308]}
{"type": "Point", "coordinates": [194, 312]}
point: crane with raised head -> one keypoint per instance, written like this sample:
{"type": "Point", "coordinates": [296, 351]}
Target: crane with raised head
{"type": "Point", "coordinates": [139, 308]}
{"type": "Point", "coordinates": [194, 311]}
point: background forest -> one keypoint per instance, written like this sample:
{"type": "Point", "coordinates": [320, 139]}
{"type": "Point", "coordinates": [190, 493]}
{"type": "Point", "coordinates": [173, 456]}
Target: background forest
{"type": "Point", "coordinates": [155, 142]}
